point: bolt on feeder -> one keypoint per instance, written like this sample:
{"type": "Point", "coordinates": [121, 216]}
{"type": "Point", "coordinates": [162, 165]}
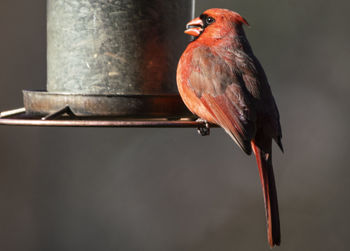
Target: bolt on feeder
{"type": "Point", "coordinates": [113, 58]}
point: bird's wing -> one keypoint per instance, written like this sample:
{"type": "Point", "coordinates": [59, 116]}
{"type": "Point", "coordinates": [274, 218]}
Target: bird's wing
{"type": "Point", "coordinates": [256, 82]}
{"type": "Point", "coordinates": [222, 91]}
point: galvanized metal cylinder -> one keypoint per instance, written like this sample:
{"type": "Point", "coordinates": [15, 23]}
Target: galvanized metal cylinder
{"type": "Point", "coordinates": [115, 47]}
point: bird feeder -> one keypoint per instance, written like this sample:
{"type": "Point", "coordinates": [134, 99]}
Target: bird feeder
{"type": "Point", "coordinates": [113, 58]}
{"type": "Point", "coordinates": [110, 59]}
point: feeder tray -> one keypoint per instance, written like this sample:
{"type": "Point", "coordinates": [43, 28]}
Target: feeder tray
{"type": "Point", "coordinates": [133, 106]}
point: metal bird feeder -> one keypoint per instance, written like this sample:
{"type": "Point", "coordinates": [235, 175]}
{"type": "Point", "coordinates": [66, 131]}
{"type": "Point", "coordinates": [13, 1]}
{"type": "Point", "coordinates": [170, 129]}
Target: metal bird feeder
{"type": "Point", "coordinates": [113, 58]}
{"type": "Point", "coordinates": [107, 61]}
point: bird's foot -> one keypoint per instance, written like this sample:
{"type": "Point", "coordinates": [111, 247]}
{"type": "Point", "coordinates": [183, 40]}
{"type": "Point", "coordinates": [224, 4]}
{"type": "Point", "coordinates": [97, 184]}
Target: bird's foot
{"type": "Point", "coordinates": [203, 129]}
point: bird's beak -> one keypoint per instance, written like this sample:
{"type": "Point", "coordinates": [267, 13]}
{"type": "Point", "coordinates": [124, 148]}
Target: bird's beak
{"type": "Point", "coordinates": [194, 27]}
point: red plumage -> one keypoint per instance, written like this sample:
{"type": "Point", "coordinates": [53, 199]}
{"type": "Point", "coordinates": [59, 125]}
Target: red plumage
{"type": "Point", "coordinates": [221, 81]}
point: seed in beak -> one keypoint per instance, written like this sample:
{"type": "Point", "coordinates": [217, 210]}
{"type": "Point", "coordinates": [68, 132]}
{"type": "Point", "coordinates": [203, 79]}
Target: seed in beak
{"type": "Point", "coordinates": [194, 27]}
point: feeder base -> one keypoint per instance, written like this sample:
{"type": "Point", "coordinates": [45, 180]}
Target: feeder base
{"type": "Point", "coordinates": [135, 106]}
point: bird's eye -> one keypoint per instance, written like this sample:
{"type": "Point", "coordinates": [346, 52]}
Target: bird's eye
{"type": "Point", "coordinates": [209, 20]}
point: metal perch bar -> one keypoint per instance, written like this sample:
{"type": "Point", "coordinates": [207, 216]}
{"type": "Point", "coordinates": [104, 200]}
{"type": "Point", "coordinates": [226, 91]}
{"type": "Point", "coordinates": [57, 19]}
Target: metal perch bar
{"type": "Point", "coordinates": [17, 118]}
{"type": "Point", "coordinates": [12, 112]}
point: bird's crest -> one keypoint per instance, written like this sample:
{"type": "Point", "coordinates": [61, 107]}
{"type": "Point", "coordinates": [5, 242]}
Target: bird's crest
{"type": "Point", "coordinates": [234, 16]}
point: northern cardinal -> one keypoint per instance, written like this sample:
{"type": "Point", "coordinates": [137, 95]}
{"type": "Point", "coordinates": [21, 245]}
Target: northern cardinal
{"type": "Point", "coordinates": [222, 82]}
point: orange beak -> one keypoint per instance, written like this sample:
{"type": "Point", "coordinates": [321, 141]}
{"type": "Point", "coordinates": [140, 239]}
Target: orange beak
{"type": "Point", "coordinates": [194, 27]}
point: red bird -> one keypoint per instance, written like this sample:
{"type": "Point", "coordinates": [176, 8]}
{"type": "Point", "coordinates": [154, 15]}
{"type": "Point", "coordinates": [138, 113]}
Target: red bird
{"type": "Point", "coordinates": [222, 82]}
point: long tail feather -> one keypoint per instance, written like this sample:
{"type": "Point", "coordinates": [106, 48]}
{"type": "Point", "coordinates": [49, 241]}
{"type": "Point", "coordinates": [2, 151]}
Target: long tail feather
{"type": "Point", "coordinates": [267, 178]}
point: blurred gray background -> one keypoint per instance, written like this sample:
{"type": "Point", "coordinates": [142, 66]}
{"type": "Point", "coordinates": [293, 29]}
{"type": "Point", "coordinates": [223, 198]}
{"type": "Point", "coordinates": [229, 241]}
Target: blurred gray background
{"type": "Point", "coordinates": [170, 189]}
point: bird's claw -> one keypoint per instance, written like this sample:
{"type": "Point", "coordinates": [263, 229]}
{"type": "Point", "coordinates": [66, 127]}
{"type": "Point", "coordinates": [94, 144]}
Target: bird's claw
{"type": "Point", "coordinates": [204, 128]}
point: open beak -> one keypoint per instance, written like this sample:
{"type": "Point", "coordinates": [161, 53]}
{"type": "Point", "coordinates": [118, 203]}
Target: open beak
{"type": "Point", "coordinates": [194, 27]}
